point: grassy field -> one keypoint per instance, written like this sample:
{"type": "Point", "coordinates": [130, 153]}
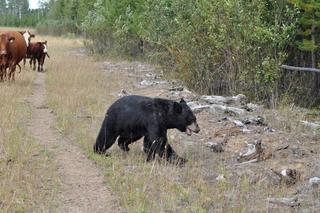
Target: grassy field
{"type": "Point", "coordinates": [80, 89]}
{"type": "Point", "coordinates": [27, 172]}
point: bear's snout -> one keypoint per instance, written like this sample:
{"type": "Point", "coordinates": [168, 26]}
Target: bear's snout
{"type": "Point", "coordinates": [194, 127]}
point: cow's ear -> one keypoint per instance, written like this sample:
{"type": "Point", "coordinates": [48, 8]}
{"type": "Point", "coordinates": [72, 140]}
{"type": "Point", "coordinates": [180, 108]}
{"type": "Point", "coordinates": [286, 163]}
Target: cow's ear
{"type": "Point", "coordinates": [21, 32]}
{"type": "Point", "coordinates": [11, 39]}
{"type": "Point", "coordinates": [32, 35]}
{"type": "Point", "coordinates": [45, 42]}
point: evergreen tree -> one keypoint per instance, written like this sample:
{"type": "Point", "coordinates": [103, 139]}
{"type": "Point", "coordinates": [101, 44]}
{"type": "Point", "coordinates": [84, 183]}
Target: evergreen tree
{"type": "Point", "coordinates": [3, 6]}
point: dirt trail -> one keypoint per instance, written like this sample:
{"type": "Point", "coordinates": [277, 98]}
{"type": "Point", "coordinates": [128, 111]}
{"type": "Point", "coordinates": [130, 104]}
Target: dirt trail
{"type": "Point", "coordinates": [82, 185]}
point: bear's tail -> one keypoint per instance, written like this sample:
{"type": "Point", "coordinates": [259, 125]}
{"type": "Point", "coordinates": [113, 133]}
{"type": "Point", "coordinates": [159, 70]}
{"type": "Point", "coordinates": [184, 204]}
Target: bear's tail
{"type": "Point", "coordinates": [104, 139]}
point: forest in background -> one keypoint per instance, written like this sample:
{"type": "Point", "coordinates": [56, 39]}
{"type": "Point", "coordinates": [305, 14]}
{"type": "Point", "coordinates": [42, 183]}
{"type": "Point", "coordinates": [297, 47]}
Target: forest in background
{"type": "Point", "coordinates": [215, 47]}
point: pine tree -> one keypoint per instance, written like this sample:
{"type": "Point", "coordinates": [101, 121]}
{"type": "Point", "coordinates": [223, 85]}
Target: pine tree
{"type": "Point", "coordinates": [309, 27]}
{"type": "Point", "coordinates": [3, 6]}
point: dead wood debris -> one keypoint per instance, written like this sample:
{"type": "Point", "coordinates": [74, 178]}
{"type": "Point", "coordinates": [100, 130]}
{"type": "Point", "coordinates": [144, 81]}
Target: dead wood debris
{"type": "Point", "coordinates": [213, 99]}
{"type": "Point", "coordinates": [291, 202]}
{"type": "Point", "coordinates": [288, 176]}
{"type": "Point", "coordinates": [254, 153]}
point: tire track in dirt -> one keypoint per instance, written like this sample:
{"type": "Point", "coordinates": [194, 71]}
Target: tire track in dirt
{"type": "Point", "coordinates": [82, 187]}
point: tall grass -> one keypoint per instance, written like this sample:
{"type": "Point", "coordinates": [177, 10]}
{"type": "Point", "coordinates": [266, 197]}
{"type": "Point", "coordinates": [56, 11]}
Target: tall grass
{"type": "Point", "coordinates": [27, 172]}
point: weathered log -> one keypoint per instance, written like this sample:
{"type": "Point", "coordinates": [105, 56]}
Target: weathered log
{"type": "Point", "coordinates": [227, 109]}
{"type": "Point", "coordinates": [307, 69]}
{"type": "Point", "coordinates": [311, 124]}
{"type": "Point", "coordinates": [214, 99]}
{"type": "Point", "coordinates": [291, 202]}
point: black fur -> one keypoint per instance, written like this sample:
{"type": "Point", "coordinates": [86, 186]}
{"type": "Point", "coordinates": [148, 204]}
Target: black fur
{"type": "Point", "coordinates": [133, 117]}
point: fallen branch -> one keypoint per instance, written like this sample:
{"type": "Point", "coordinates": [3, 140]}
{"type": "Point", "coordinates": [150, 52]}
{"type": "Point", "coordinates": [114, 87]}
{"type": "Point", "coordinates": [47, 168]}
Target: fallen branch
{"type": "Point", "coordinates": [214, 99]}
{"type": "Point", "coordinates": [307, 69]}
{"type": "Point", "coordinates": [291, 202]}
{"type": "Point", "coordinates": [311, 124]}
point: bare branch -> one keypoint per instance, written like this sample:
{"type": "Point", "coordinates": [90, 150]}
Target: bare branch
{"type": "Point", "coordinates": [287, 67]}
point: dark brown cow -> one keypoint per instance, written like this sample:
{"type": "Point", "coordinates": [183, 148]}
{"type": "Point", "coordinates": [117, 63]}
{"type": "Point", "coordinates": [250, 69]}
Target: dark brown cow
{"type": "Point", "coordinates": [13, 49]}
{"type": "Point", "coordinates": [27, 37]}
{"type": "Point", "coordinates": [38, 52]}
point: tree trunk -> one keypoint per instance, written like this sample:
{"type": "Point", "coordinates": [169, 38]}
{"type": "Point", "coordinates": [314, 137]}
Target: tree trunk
{"type": "Point", "coordinates": [313, 58]}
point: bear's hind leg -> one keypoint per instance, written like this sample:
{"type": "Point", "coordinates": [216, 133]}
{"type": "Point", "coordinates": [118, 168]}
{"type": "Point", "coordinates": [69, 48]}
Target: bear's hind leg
{"type": "Point", "coordinates": [123, 142]}
{"type": "Point", "coordinates": [146, 144]}
{"type": "Point", "coordinates": [105, 138]}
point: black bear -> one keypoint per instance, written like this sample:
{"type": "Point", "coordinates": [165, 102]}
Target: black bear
{"type": "Point", "coordinates": [133, 117]}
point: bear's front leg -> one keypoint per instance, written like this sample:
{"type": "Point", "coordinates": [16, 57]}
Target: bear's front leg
{"type": "Point", "coordinates": [163, 149]}
{"type": "Point", "coordinates": [157, 146]}
{"type": "Point", "coordinates": [172, 156]}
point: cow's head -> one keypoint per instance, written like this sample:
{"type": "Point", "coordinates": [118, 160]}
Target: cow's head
{"type": "Point", "coordinates": [5, 41]}
{"type": "Point", "coordinates": [27, 37]}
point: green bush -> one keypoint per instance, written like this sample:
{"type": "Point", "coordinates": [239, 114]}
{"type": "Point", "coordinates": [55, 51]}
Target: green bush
{"type": "Point", "coordinates": [216, 47]}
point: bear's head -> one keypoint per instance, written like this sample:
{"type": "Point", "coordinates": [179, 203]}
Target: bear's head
{"type": "Point", "coordinates": [184, 119]}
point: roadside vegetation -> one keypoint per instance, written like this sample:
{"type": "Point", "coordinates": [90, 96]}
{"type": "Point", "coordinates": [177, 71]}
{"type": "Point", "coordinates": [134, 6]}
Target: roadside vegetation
{"type": "Point", "coordinates": [214, 46]}
{"type": "Point", "coordinates": [27, 172]}
{"type": "Point", "coordinates": [79, 93]}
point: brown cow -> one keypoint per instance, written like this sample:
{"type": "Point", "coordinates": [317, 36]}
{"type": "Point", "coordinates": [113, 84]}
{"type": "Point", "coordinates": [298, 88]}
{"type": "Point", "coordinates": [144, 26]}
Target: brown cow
{"type": "Point", "coordinates": [5, 40]}
{"type": "Point", "coordinates": [13, 49]}
{"type": "Point", "coordinates": [38, 52]}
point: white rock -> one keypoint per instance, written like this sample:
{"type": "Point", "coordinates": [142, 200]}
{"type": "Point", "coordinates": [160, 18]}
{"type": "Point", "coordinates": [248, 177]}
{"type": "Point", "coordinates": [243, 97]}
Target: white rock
{"type": "Point", "coordinates": [315, 181]}
{"type": "Point", "coordinates": [238, 123]}
{"type": "Point", "coordinates": [220, 177]}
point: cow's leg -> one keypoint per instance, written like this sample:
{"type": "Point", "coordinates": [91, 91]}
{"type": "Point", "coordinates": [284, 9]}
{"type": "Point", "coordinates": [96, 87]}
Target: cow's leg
{"type": "Point", "coordinates": [42, 61]}
{"type": "Point", "coordinates": [34, 63]}
{"type": "Point", "coordinates": [39, 70]}
{"type": "Point", "coordinates": [12, 72]}
{"type": "Point", "coordinates": [9, 73]}
{"type": "Point", "coordinates": [1, 74]}
{"type": "Point", "coordinates": [30, 62]}
{"type": "Point", "coordinates": [4, 73]}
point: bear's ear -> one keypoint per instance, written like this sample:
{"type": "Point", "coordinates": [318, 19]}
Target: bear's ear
{"type": "Point", "coordinates": [177, 107]}
{"type": "Point", "coordinates": [182, 101]}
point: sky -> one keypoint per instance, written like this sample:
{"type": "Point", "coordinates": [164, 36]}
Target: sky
{"type": "Point", "coordinates": [33, 4]}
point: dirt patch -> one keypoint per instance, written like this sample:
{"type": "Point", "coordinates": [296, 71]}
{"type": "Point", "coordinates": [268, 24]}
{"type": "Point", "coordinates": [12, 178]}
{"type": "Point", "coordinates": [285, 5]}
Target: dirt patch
{"type": "Point", "coordinates": [82, 187]}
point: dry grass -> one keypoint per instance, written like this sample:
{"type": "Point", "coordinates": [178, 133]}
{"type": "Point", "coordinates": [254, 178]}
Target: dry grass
{"type": "Point", "coordinates": [79, 93]}
{"type": "Point", "coordinates": [26, 169]}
